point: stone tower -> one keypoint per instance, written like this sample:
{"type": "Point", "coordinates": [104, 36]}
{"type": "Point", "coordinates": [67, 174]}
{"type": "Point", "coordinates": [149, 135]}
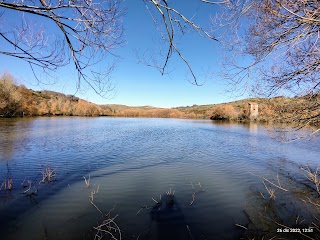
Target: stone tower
{"type": "Point", "coordinates": [253, 110]}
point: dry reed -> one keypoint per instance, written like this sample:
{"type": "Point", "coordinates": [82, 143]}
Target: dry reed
{"type": "Point", "coordinates": [313, 177]}
{"type": "Point", "coordinates": [93, 192]}
{"type": "Point", "coordinates": [48, 174]}
{"type": "Point", "coordinates": [7, 184]}
{"type": "Point", "coordinates": [87, 181]}
{"type": "Point", "coordinates": [193, 196]}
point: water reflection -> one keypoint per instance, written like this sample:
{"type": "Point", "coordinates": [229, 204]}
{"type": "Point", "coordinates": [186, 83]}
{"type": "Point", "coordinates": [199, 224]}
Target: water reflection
{"type": "Point", "coordinates": [253, 128]}
{"type": "Point", "coordinates": [12, 136]}
{"type": "Point", "coordinates": [133, 161]}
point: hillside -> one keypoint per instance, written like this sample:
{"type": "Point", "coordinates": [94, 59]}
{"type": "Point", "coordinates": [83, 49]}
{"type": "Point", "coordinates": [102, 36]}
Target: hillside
{"type": "Point", "coordinates": [20, 101]}
{"type": "Point", "coordinates": [303, 110]}
{"type": "Point", "coordinates": [228, 111]}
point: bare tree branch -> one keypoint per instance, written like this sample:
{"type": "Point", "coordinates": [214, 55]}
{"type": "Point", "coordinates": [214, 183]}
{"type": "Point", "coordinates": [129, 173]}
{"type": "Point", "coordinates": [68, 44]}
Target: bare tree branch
{"type": "Point", "coordinates": [274, 47]}
{"type": "Point", "coordinates": [171, 24]}
{"type": "Point", "coordinates": [79, 31]}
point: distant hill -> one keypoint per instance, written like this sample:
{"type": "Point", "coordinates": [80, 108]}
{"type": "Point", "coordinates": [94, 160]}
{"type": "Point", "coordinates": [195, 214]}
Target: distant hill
{"type": "Point", "coordinates": [277, 109]}
{"type": "Point", "coordinates": [195, 111]}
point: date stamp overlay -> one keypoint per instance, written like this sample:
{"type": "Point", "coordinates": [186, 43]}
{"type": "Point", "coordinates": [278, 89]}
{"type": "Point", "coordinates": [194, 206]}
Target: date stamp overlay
{"type": "Point", "coordinates": [295, 230]}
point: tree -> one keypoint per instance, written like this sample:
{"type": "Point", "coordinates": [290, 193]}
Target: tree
{"type": "Point", "coordinates": [10, 98]}
{"type": "Point", "coordinates": [81, 31]}
{"type": "Point", "coordinates": [286, 33]}
{"type": "Point", "coordinates": [224, 112]}
{"type": "Point", "coordinates": [281, 38]}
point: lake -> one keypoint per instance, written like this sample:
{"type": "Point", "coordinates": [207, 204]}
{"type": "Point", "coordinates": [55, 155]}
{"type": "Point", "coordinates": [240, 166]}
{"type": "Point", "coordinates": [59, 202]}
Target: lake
{"type": "Point", "coordinates": [204, 176]}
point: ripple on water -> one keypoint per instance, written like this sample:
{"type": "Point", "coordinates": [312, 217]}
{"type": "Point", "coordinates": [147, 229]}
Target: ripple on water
{"type": "Point", "coordinates": [133, 161]}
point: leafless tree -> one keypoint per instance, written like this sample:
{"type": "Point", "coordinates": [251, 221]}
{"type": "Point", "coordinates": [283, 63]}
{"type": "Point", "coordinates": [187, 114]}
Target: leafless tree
{"type": "Point", "coordinates": [49, 34]}
{"type": "Point", "coordinates": [275, 44]}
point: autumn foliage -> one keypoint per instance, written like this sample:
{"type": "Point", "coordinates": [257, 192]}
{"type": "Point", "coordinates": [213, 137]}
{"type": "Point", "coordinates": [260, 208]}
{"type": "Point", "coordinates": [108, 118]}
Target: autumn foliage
{"type": "Point", "coordinates": [225, 112]}
{"type": "Point", "coordinates": [19, 101]}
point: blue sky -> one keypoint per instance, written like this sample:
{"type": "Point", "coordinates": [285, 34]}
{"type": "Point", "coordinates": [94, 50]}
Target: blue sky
{"type": "Point", "coordinates": [137, 84]}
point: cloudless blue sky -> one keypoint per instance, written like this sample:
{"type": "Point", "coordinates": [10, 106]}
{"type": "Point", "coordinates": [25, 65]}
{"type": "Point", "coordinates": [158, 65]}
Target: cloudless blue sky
{"type": "Point", "coordinates": [138, 84]}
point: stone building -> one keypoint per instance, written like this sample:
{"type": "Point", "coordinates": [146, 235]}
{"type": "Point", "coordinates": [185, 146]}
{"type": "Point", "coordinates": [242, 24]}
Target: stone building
{"type": "Point", "coordinates": [253, 110]}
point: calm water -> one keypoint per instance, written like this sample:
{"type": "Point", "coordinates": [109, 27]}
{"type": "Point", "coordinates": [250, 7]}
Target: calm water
{"type": "Point", "coordinates": [133, 161]}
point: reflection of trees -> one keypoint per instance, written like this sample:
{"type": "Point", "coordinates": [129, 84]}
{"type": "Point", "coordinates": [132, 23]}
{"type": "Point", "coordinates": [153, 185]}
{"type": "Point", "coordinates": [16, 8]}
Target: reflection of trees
{"type": "Point", "coordinates": [11, 135]}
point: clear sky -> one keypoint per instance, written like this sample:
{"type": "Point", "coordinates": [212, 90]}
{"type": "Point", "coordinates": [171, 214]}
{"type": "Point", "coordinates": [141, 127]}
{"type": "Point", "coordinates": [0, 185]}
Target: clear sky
{"type": "Point", "coordinates": [138, 84]}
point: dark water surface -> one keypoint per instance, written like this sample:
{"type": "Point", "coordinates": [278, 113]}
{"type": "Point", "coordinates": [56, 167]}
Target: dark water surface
{"type": "Point", "coordinates": [133, 161]}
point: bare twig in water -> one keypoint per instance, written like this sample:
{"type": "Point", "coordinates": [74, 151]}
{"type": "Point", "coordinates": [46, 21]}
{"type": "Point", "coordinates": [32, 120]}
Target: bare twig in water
{"type": "Point", "coordinates": [109, 213]}
{"type": "Point", "coordinates": [238, 225]}
{"type": "Point", "coordinates": [95, 206]}
{"type": "Point", "coordinates": [29, 186]}
{"type": "Point", "coordinates": [48, 174]}
{"type": "Point", "coordinates": [313, 203]}
{"type": "Point", "coordinates": [189, 232]}
{"type": "Point", "coordinates": [143, 207]}
{"type": "Point", "coordinates": [93, 192]}
{"type": "Point", "coordinates": [87, 181]}
{"type": "Point", "coordinates": [137, 238]}
{"type": "Point", "coordinates": [154, 200]}
{"type": "Point", "coordinates": [272, 192]}
{"type": "Point", "coordinates": [262, 195]}
{"type": "Point", "coordinates": [275, 185]}
{"type": "Point", "coordinates": [193, 197]}
{"type": "Point", "coordinates": [7, 184]}
{"type": "Point", "coordinates": [10, 184]}
{"type": "Point", "coordinates": [108, 228]}
{"type": "Point", "coordinates": [169, 193]}
{"type": "Point", "coordinates": [313, 177]}
{"type": "Point", "coordinates": [195, 192]}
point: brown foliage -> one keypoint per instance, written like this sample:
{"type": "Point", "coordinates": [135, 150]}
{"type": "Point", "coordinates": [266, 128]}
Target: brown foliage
{"type": "Point", "coordinates": [10, 97]}
{"type": "Point", "coordinates": [20, 101]}
{"type": "Point", "coordinates": [155, 113]}
{"type": "Point", "coordinates": [224, 112]}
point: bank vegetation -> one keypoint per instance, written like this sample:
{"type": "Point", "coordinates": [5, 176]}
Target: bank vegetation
{"type": "Point", "coordinates": [17, 100]}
